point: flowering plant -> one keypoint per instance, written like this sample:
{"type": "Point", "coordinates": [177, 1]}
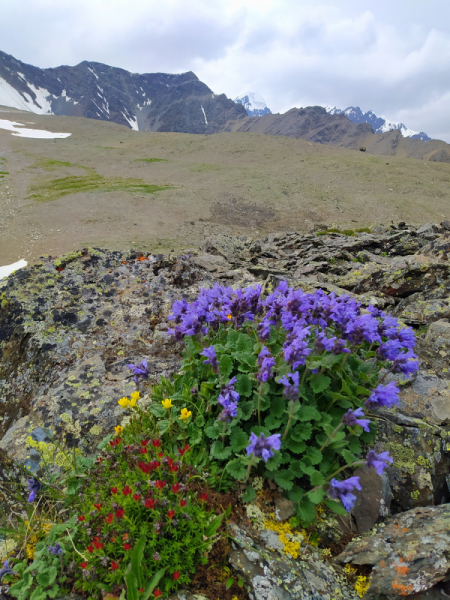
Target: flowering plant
{"type": "Point", "coordinates": [284, 383]}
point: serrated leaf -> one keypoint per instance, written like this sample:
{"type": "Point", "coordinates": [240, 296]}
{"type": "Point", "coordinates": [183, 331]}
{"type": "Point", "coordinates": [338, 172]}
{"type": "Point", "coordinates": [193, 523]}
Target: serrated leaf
{"type": "Point", "coordinates": [278, 406]}
{"type": "Point", "coordinates": [306, 511]}
{"type": "Point", "coordinates": [238, 439]}
{"type": "Point", "coordinates": [244, 343]}
{"type": "Point", "coordinates": [361, 391]}
{"type": "Point", "coordinates": [316, 496]}
{"type": "Point", "coordinates": [219, 451]}
{"type": "Point", "coordinates": [157, 410]}
{"type": "Point", "coordinates": [308, 413]}
{"type": "Point", "coordinates": [301, 432]}
{"type": "Point", "coordinates": [274, 463]}
{"type": "Point", "coordinates": [249, 494]}
{"type": "Point", "coordinates": [296, 494]}
{"type": "Point", "coordinates": [271, 422]}
{"type": "Point", "coordinates": [348, 456]}
{"type": "Point", "coordinates": [195, 434]}
{"type": "Point", "coordinates": [319, 383]}
{"type": "Point", "coordinates": [236, 468]}
{"type": "Point", "coordinates": [225, 366]}
{"type": "Point", "coordinates": [314, 455]}
{"type": "Point", "coordinates": [243, 385]}
{"type": "Point", "coordinates": [245, 410]}
{"type": "Point", "coordinates": [213, 431]}
{"type": "Point", "coordinates": [284, 478]}
{"type": "Point", "coordinates": [307, 469]}
{"type": "Point", "coordinates": [199, 421]}
{"type": "Point", "coordinates": [297, 447]}
{"type": "Point", "coordinates": [317, 478]}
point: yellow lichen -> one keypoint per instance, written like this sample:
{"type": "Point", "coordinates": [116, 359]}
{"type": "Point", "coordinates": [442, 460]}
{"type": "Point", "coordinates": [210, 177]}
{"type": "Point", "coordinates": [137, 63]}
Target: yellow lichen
{"type": "Point", "coordinates": [290, 540]}
{"type": "Point", "coordinates": [362, 585]}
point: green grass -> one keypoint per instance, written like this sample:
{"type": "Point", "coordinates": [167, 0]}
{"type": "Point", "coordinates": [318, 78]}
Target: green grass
{"type": "Point", "coordinates": [150, 160]}
{"type": "Point", "coordinates": [49, 164]}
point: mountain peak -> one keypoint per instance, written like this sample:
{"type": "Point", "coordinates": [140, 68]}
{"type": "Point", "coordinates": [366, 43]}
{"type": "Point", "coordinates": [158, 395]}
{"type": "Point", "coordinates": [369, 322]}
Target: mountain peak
{"type": "Point", "coordinates": [254, 104]}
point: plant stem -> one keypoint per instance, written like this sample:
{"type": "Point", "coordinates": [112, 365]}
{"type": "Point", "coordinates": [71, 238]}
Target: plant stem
{"type": "Point", "coordinates": [259, 402]}
{"type": "Point", "coordinates": [288, 424]}
{"type": "Point", "coordinates": [249, 468]}
{"type": "Point", "coordinates": [331, 436]}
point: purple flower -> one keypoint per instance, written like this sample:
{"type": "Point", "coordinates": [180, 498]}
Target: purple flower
{"type": "Point", "coordinates": [228, 412]}
{"type": "Point", "coordinates": [56, 549]}
{"type": "Point", "coordinates": [266, 362]}
{"type": "Point", "coordinates": [389, 350]}
{"type": "Point", "coordinates": [407, 337]}
{"type": "Point", "coordinates": [378, 461]}
{"type": "Point", "coordinates": [350, 419]}
{"type": "Point", "coordinates": [140, 370]}
{"type": "Point", "coordinates": [363, 329]}
{"type": "Point", "coordinates": [322, 342]}
{"type": "Point", "coordinates": [383, 395]}
{"type": "Point", "coordinates": [388, 327]}
{"type": "Point", "coordinates": [34, 485]}
{"type": "Point", "coordinates": [263, 446]}
{"type": "Point", "coordinates": [339, 347]}
{"type": "Point", "coordinates": [211, 357]}
{"type": "Point", "coordinates": [291, 390]}
{"type": "Point", "coordinates": [6, 570]}
{"type": "Point", "coordinates": [228, 398]}
{"type": "Point", "coordinates": [295, 349]}
{"type": "Point", "coordinates": [406, 363]}
{"type": "Point", "coordinates": [341, 490]}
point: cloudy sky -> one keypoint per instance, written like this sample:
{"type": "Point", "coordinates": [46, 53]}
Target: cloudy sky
{"type": "Point", "coordinates": [392, 57]}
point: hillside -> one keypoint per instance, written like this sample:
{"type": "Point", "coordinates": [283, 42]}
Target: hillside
{"type": "Point", "coordinates": [108, 185]}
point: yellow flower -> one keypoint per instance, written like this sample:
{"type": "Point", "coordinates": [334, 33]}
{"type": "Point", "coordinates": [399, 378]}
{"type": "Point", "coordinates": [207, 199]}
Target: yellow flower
{"type": "Point", "coordinates": [124, 402]}
{"type": "Point", "coordinates": [167, 403]}
{"type": "Point", "coordinates": [185, 414]}
{"type": "Point", "coordinates": [229, 317]}
{"type": "Point", "coordinates": [118, 429]}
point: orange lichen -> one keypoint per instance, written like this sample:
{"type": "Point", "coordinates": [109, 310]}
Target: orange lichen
{"type": "Point", "coordinates": [402, 589]}
{"type": "Point", "coordinates": [402, 569]}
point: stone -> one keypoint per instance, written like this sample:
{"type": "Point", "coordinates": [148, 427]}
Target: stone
{"type": "Point", "coordinates": [284, 509]}
{"type": "Point", "coordinates": [445, 224]}
{"type": "Point", "coordinates": [373, 501]}
{"type": "Point", "coordinates": [409, 553]}
{"type": "Point", "coordinates": [426, 229]}
{"type": "Point", "coordinates": [210, 262]}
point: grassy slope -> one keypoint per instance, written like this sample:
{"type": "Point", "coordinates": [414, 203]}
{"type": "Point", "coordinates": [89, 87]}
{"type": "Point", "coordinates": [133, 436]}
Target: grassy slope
{"type": "Point", "coordinates": [101, 188]}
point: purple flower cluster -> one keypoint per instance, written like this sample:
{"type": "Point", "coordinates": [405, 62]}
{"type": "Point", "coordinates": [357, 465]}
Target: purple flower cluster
{"type": "Point", "coordinates": [383, 395]}
{"type": "Point", "coordinates": [34, 485]}
{"type": "Point", "coordinates": [262, 446]}
{"type": "Point", "coordinates": [139, 370]}
{"type": "Point", "coordinates": [342, 490]}
{"type": "Point", "coordinates": [6, 570]}
{"type": "Point", "coordinates": [266, 363]}
{"type": "Point", "coordinates": [351, 418]}
{"type": "Point", "coordinates": [56, 549]}
{"type": "Point", "coordinates": [291, 390]}
{"type": "Point", "coordinates": [211, 358]}
{"type": "Point", "coordinates": [228, 398]}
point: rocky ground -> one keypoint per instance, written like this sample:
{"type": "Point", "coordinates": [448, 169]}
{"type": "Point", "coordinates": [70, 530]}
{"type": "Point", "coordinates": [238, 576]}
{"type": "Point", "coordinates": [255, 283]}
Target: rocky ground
{"type": "Point", "coordinates": [69, 326]}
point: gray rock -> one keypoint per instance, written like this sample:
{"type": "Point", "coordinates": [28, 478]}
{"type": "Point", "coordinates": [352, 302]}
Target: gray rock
{"type": "Point", "coordinates": [428, 228]}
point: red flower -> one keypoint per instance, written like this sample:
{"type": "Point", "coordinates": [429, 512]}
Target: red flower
{"type": "Point", "coordinates": [99, 459]}
{"type": "Point", "coordinates": [143, 450]}
{"type": "Point", "coordinates": [114, 565]}
{"type": "Point", "coordinates": [114, 490]}
{"type": "Point", "coordinates": [156, 443]}
{"type": "Point", "coordinates": [136, 496]}
{"type": "Point", "coordinates": [160, 484]}
{"type": "Point", "coordinates": [160, 454]}
{"type": "Point", "coordinates": [126, 546]}
{"type": "Point", "coordinates": [176, 488]}
{"type": "Point", "coordinates": [81, 518]}
{"type": "Point", "coordinates": [144, 442]}
{"type": "Point", "coordinates": [113, 539]}
{"type": "Point", "coordinates": [141, 590]}
{"type": "Point", "coordinates": [90, 548]}
{"type": "Point", "coordinates": [98, 506]}
{"type": "Point", "coordinates": [203, 497]}
{"type": "Point", "coordinates": [173, 468]}
{"type": "Point", "coordinates": [109, 518]}
{"type": "Point", "coordinates": [155, 464]}
{"type": "Point", "coordinates": [157, 593]}
{"type": "Point", "coordinates": [98, 545]}
{"type": "Point", "coordinates": [183, 502]}
{"type": "Point", "coordinates": [83, 565]}
{"type": "Point", "coordinates": [171, 514]}
{"type": "Point", "coordinates": [183, 450]}
{"type": "Point", "coordinates": [115, 442]}
{"type": "Point", "coordinates": [127, 491]}
{"type": "Point", "coordinates": [120, 512]}
{"type": "Point", "coordinates": [144, 467]}
{"type": "Point", "coordinates": [149, 503]}
{"type": "Point", "coordinates": [176, 575]}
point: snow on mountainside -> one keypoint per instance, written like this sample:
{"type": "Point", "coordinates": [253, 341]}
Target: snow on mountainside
{"type": "Point", "coordinates": [254, 104]}
{"type": "Point", "coordinates": [379, 124]}
{"type": "Point", "coordinates": [145, 102]}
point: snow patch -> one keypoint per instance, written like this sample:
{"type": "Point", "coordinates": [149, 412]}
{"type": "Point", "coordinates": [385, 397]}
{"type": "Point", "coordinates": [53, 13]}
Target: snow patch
{"type": "Point", "coordinates": [93, 72]}
{"type": "Point", "coordinates": [20, 130]}
{"type": "Point", "coordinates": [204, 114]}
{"type": "Point", "coordinates": [132, 122]}
{"type": "Point", "coordinates": [254, 104]}
{"type": "Point", "coordinates": [8, 269]}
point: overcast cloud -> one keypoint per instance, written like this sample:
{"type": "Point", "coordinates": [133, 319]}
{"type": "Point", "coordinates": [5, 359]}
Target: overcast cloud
{"type": "Point", "coordinates": [389, 57]}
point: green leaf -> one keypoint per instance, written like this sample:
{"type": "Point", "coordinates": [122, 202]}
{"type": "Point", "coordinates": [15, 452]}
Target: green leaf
{"type": "Point", "coordinates": [199, 421]}
{"type": "Point", "coordinates": [43, 579]}
{"type": "Point", "coordinates": [305, 510]}
{"type": "Point", "coordinates": [308, 413]}
{"type": "Point", "coordinates": [307, 469]}
{"type": "Point", "coordinates": [153, 583]}
{"type": "Point", "coordinates": [244, 343]}
{"type": "Point", "coordinates": [243, 385]}
{"type": "Point", "coordinates": [361, 391]}
{"type": "Point", "coordinates": [301, 432]}
{"type": "Point", "coordinates": [213, 431]}
{"type": "Point", "coordinates": [238, 439]}
{"type": "Point", "coordinates": [219, 451]}
{"type": "Point", "coordinates": [131, 583]}
{"type": "Point", "coordinates": [297, 447]}
{"type": "Point", "coordinates": [335, 507]}
{"type": "Point", "coordinates": [163, 425]}
{"type": "Point", "coordinates": [245, 410]}
{"type": "Point", "coordinates": [232, 339]}
{"type": "Point", "coordinates": [249, 494]}
{"type": "Point", "coordinates": [229, 583]}
{"type": "Point", "coordinates": [53, 591]}
{"type": "Point", "coordinates": [213, 526]}
{"type": "Point", "coordinates": [136, 561]}
{"type": "Point", "coordinates": [284, 478]}
{"type": "Point", "coordinates": [157, 410]}
{"type": "Point", "coordinates": [278, 406]}
{"type": "Point", "coordinates": [38, 594]}
{"type": "Point", "coordinates": [316, 496]}
{"type": "Point", "coordinates": [319, 383]}
{"type": "Point", "coordinates": [236, 468]}
{"type": "Point", "coordinates": [225, 366]}
{"type": "Point", "coordinates": [194, 434]}
{"type": "Point", "coordinates": [349, 457]}
{"type": "Point", "coordinates": [271, 422]}
{"type": "Point", "coordinates": [354, 445]}
{"type": "Point", "coordinates": [317, 478]}
{"type": "Point", "coordinates": [314, 455]}
{"type": "Point", "coordinates": [296, 494]}
{"type": "Point", "coordinates": [274, 463]}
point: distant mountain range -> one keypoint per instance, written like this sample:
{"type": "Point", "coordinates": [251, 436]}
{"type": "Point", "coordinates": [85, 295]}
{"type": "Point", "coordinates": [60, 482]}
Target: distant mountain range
{"type": "Point", "coordinates": [183, 104]}
{"type": "Point", "coordinates": [379, 124]}
{"type": "Point", "coordinates": [254, 104]}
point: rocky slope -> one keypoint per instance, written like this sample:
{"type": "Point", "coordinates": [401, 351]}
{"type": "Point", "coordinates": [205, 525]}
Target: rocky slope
{"type": "Point", "coordinates": [69, 326]}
